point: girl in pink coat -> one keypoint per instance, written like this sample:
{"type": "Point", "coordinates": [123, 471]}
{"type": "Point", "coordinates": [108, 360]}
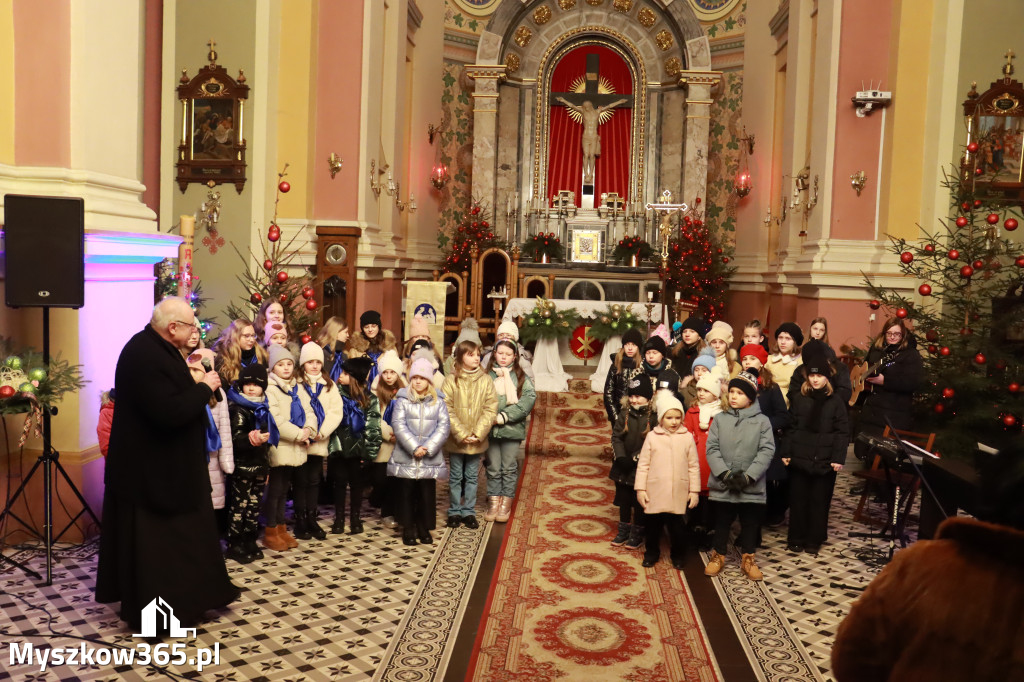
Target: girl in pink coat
{"type": "Point", "coordinates": [667, 481]}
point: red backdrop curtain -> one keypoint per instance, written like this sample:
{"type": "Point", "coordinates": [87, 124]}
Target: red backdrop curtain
{"type": "Point", "coordinates": [565, 156]}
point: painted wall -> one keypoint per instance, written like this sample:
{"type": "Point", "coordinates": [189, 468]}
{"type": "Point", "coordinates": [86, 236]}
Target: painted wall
{"type": "Point", "coordinates": [7, 114]}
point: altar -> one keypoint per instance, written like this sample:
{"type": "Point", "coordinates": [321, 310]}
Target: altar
{"type": "Point", "coordinates": [550, 357]}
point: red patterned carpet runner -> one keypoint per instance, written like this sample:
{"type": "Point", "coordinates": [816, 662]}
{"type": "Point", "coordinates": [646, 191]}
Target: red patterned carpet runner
{"type": "Point", "coordinates": [564, 603]}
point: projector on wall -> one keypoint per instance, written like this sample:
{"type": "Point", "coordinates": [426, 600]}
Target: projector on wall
{"type": "Point", "coordinates": [867, 100]}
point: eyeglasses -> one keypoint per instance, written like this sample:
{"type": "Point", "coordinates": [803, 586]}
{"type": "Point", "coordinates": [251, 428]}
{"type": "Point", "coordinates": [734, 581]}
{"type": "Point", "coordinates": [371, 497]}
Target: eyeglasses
{"type": "Point", "coordinates": [248, 336]}
{"type": "Point", "coordinates": [193, 323]}
{"type": "Point", "coordinates": [896, 334]}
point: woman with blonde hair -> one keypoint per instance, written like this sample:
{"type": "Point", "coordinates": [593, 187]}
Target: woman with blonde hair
{"type": "Point", "coordinates": [236, 348]}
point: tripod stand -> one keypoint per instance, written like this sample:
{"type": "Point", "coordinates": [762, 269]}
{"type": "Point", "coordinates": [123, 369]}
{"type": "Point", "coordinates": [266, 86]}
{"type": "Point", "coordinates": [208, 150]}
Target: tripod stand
{"type": "Point", "coordinates": [47, 460]}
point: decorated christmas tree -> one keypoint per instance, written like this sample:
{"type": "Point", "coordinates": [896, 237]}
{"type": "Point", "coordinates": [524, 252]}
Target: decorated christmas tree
{"type": "Point", "coordinates": [267, 277]}
{"type": "Point", "coordinates": [969, 278]}
{"type": "Point", "coordinates": [474, 229]}
{"type": "Point", "coordinates": [698, 264]}
{"type": "Point", "coordinates": [167, 285]}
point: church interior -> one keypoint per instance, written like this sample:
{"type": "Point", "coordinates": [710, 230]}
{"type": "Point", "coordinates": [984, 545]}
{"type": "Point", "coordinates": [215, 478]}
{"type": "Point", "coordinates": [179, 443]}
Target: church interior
{"type": "Point", "coordinates": [504, 160]}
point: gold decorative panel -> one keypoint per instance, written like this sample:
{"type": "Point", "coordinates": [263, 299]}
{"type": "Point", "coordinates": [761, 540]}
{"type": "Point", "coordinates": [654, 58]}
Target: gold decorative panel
{"type": "Point", "coordinates": [595, 3]}
{"type": "Point", "coordinates": [673, 66]}
{"type": "Point", "coordinates": [566, 4]}
{"type": "Point", "coordinates": [541, 15]}
{"type": "Point", "coordinates": [512, 62]}
{"type": "Point", "coordinates": [664, 39]}
{"type": "Point", "coordinates": [523, 35]}
{"type": "Point", "coordinates": [623, 5]}
{"type": "Point", "coordinates": [646, 17]}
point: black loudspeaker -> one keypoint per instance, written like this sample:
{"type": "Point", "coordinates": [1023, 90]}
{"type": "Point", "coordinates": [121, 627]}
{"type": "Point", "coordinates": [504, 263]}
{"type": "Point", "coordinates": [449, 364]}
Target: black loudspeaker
{"type": "Point", "coordinates": [44, 251]}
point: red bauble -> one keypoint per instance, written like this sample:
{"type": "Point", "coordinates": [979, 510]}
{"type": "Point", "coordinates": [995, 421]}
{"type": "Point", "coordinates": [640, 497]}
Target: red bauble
{"type": "Point", "coordinates": [718, 251]}
{"type": "Point", "coordinates": [6, 391]}
{"type": "Point", "coordinates": [874, 304]}
{"type": "Point", "coordinates": [972, 147]}
{"type": "Point", "coordinates": [307, 292]}
{"type": "Point", "coordinates": [697, 200]}
{"type": "Point", "coordinates": [273, 234]}
{"type": "Point", "coordinates": [283, 298]}
{"type": "Point", "coordinates": [484, 224]}
{"type": "Point", "coordinates": [966, 271]}
{"type": "Point", "coordinates": [978, 171]}
{"type": "Point", "coordinates": [980, 358]}
{"type": "Point", "coordinates": [1010, 224]}
{"type": "Point", "coordinates": [978, 264]}
{"type": "Point", "coordinates": [992, 218]}
{"type": "Point", "coordinates": [725, 259]}
{"type": "Point", "coordinates": [284, 186]}
{"type": "Point", "coordinates": [932, 335]}
{"type": "Point", "coordinates": [929, 248]}
{"type": "Point", "coordinates": [932, 348]}
{"type": "Point", "coordinates": [268, 264]}
{"type": "Point", "coordinates": [953, 254]}
{"type": "Point", "coordinates": [305, 338]}
{"type": "Point", "coordinates": [901, 313]}
{"type": "Point", "coordinates": [947, 393]}
{"type": "Point", "coordinates": [906, 257]}
{"type": "Point", "coordinates": [1013, 388]}
{"type": "Point", "coordinates": [944, 351]}
{"type": "Point", "coordinates": [966, 331]}
{"type": "Point", "coordinates": [925, 290]}
{"type": "Point", "coordinates": [311, 304]}
{"type": "Point", "coordinates": [1009, 421]}
{"type": "Point", "coordinates": [256, 297]}
{"type": "Point", "coordinates": [282, 277]}
{"type": "Point", "coordinates": [475, 210]}
{"type": "Point", "coordinates": [961, 222]}
{"type": "Point", "coordinates": [475, 225]}
{"type": "Point", "coordinates": [977, 203]}
{"type": "Point", "coordinates": [939, 408]}
{"type": "Point", "coordinates": [1020, 261]}
{"type": "Point", "coordinates": [965, 206]}
{"type": "Point", "coordinates": [479, 235]}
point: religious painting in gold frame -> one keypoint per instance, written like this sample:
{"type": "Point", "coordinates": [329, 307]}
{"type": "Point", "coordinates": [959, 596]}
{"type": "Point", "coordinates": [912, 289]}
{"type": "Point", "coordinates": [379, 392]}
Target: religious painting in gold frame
{"type": "Point", "coordinates": [995, 123]}
{"type": "Point", "coordinates": [587, 246]}
{"type": "Point", "coordinates": [212, 147]}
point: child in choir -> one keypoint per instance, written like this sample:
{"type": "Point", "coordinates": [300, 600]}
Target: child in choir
{"type": "Point", "coordinates": [422, 348]}
{"type": "Point", "coordinates": [625, 365]}
{"type": "Point", "coordinates": [370, 341]}
{"type": "Point", "coordinates": [702, 365]}
{"type": "Point", "coordinates": [515, 401]}
{"type": "Point", "coordinates": [218, 435]}
{"type": "Point", "coordinates": [332, 338]}
{"type": "Point", "coordinates": [788, 339]}
{"type": "Point", "coordinates": [195, 340]}
{"type": "Point", "coordinates": [839, 379]}
{"type": "Point", "coordinates": [236, 348]}
{"type": "Point", "coordinates": [628, 434]}
{"type": "Point", "coordinates": [275, 333]}
{"type": "Point", "coordinates": [421, 423]}
{"type": "Point", "coordinates": [753, 357]}
{"type": "Point", "coordinates": [720, 339]}
{"type": "Point", "coordinates": [271, 312]}
{"type": "Point", "coordinates": [389, 383]}
{"type": "Point", "coordinates": [508, 331]}
{"type": "Point", "coordinates": [354, 444]}
{"type": "Point", "coordinates": [691, 343]}
{"type": "Point", "coordinates": [667, 482]}
{"type": "Point", "coordinates": [654, 360]}
{"type": "Point", "coordinates": [739, 449]}
{"type": "Point", "coordinates": [253, 431]}
{"type": "Point", "coordinates": [815, 452]}
{"type": "Point", "coordinates": [698, 419]}
{"type": "Point", "coordinates": [105, 420]}
{"type": "Point", "coordinates": [289, 405]}
{"type": "Point", "coordinates": [472, 408]}
{"type": "Point", "coordinates": [818, 331]}
{"type": "Point", "coordinates": [754, 334]}
{"type": "Point", "coordinates": [469, 330]}
{"type": "Point", "coordinates": [327, 407]}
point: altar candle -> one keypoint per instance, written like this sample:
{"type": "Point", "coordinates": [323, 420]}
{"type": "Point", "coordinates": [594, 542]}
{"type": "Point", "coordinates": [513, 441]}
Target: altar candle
{"type": "Point", "coordinates": [650, 295]}
{"type": "Point", "coordinates": [677, 297]}
{"type": "Point", "coordinates": [508, 205]}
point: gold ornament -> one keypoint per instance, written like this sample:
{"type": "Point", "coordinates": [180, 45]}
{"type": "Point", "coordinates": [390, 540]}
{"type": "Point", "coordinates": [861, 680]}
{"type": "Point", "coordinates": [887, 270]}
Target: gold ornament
{"type": "Point", "coordinates": [512, 62]}
{"type": "Point", "coordinates": [541, 15]}
{"type": "Point", "coordinates": [604, 319]}
{"type": "Point", "coordinates": [664, 40]}
{"type": "Point", "coordinates": [646, 17]}
{"type": "Point", "coordinates": [522, 36]}
{"type": "Point", "coordinates": [546, 313]}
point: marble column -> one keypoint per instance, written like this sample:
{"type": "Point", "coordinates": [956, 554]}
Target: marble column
{"type": "Point", "coordinates": [698, 80]}
{"type": "Point", "coordinates": [485, 128]}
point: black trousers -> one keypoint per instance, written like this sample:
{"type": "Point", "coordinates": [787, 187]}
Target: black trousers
{"type": "Point", "coordinates": [306, 485]}
{"type": "Point", "coordinates": [777, 493]}
{"type": "Point", "coordinates": [346, 472]}
{"type": "Point", "coordinates": [245, 492]}
{"type": "Point", "coordinates": [750, 515]}
{"type": "Point", "coordinates": [630, 510]}
{"type": "Point", "coordinates": [676, 524]}
{"type": "Point", "coordinates": [810, 495]}
{"type": "Point", "coordinates": [277, 494]}
{"type": "Point", "coordinates": [384, 489]}
{"type": "Point", "coordinates": [416, 502]}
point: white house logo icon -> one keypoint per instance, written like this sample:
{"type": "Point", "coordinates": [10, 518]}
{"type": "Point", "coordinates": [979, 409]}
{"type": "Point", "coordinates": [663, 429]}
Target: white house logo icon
{"type": "Point", "coordinates": [158, 616]}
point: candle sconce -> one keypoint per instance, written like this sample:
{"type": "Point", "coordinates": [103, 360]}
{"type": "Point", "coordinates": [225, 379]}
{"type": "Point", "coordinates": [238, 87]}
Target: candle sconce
{"type": "Point", "coordinates": [375, 184]}
{"type": "Point", "coordinates": [334, 163]}
{"type": "Point", "coordinates": [857, 181]}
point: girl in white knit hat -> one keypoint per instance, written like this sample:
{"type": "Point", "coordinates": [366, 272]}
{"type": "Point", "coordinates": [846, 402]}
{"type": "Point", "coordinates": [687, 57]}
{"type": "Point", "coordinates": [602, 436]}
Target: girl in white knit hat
{"type": "Point", "coordinates": [720, 339]}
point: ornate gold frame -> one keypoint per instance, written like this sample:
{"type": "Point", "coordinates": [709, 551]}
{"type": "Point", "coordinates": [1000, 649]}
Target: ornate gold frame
{"type": "Point", "coordinates": [591, 35]}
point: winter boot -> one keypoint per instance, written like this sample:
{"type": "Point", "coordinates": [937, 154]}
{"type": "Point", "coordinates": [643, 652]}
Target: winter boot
{"type": "Point", "coordinates": [313, 527]}
{"type": "Point", "coordinates": [493, 503]}
{"type": "Point", "coordinates": [636, 537]}
{"type": "Point", "coordinates": [339, 527]}
{"type": "Point", "coordinates": [424, 535]}
{"type": "Point", "coordinates": [236, 552]}
{"type": "Point", "coordinates": [504, 510]}
{"type": "Point", "coordinates": [750, 568]}
{"type": "Point", "coordinates": [286, 537]}
{"type": "Point", "coordinates": [623, 535]}
{"type": "Point", "coordinates": [408, 535]}
{"type": "Point", "coordinates": [272, 539]}
{"type": "Point", "coordinates": [715, 564]}
{"type": "Point", "coordinates": [250, 545]}
{"type": "Point", "coordinates": [301, 526]}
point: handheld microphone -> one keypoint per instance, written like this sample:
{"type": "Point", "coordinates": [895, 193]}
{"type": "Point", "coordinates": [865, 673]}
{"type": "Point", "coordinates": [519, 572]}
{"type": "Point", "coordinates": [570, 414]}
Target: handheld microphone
{"type": "Point", "coordinates": [209, 368]}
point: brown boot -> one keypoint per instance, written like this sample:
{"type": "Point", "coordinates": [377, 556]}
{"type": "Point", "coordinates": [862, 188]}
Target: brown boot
{"type": "Point", "coordinates": [504, 510]}
{"type": "Point", "coordinates": [272, 539]}
{"type": "Point", "coordinates": [286, 537]}
{"type": "Point", "coordinates": [750, 568]}
{"type": "Point", "coordinates": [493, 502]}
{"type": "Point", "coordinates": [715, 564]}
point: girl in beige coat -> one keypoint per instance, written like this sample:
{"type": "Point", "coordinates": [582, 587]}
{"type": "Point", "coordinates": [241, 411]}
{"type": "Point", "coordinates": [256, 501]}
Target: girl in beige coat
{"type": "Point", "coordinates": [667, 481]}
{"type": "Point", "coordinates": [472, 407]}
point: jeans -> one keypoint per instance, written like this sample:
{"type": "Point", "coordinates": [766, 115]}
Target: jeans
{"type": "Point", "coordinates": [502, 467]}
{"type": "Point", "coordinates": [465, 475]}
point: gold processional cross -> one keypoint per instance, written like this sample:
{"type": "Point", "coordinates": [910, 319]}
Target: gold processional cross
{"type": "Point", "coordinates": [666, 208]}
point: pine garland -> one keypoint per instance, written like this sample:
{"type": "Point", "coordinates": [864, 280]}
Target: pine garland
{"type": "Point", "coordinates": [632, 246]}
{"type": "Point", "coordinates": [615, 321]}
{"type": "Point", "coordinates": [545, 321]}
{"type": "Point", "coordinates": [544, 244]}
{"type": "Point", "coordinates": [24, 371]}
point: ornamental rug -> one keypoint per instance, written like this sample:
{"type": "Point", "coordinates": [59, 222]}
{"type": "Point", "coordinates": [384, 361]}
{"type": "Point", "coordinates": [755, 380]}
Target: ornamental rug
{"type": "Point", "coordinates": [341, 609]}
{"type": "Point", "coordinates": [564, 603]}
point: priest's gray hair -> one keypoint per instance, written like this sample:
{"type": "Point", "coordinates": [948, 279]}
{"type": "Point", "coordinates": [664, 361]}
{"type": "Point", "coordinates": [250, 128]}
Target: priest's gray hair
{"type": "Point", "coordinates": [169, 310]}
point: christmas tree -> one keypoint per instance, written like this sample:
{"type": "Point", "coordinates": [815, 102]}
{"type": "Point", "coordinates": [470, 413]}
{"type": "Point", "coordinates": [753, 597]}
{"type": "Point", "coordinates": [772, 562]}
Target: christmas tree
{"type": "Point", "coordinates": [474, 229]}
{"type": "Point", "coordinates": [167, 285]}
{"type": "Point", "coordinates": [966, 272]}
{"type": "Point", "coordinates": [698, 264]}
{"type": "Point", "coordinates": [268, 278]}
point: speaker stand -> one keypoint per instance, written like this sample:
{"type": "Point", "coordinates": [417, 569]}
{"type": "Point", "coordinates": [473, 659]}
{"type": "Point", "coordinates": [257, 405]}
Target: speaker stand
{"type": "Point", "coordinates": [47, 460]}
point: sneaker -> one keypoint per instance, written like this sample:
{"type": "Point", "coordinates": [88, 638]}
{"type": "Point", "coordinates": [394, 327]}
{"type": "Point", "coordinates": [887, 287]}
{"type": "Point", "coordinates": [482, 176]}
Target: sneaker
{"type": "Point", "coordinates": [454, 521]}
{"type": "Point", "coordinates": [715, 564]}
{"type": "Point", "coordinates": [470, 521]}
{"type": "Point", "coordinates": [636, 538]}
{"type": "Point", "coordinates": [623, 535]}
{"type": "Point", "coordinates": [493, 505]}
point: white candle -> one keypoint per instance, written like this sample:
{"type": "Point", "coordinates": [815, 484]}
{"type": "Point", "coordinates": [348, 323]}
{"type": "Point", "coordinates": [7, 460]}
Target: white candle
{"type": "Point", "coordinates": [677, 297]}
{"type": "Point", "coordinates": [650, 295]}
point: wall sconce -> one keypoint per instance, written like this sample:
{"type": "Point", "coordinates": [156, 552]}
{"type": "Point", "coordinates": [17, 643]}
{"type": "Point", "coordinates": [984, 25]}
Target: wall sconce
{"type": "Point", "coordinates": [402, 205]}
{"type": "Point", "coordinates": [433, 130]}
{"type": "Point", "coordinates": [743, 183]}
{"type": "Point", "coordinates": [439, 175]}
{"type": "Point", "coordinates": [334, 163]}
{"type": "Point", "coordinates": [375, 184]}
{"type": "Point", "coordinates": [857, 181]}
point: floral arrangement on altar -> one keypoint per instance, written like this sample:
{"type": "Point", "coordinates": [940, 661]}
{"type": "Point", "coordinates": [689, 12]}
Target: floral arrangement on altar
{"type": "Point", "coordinates": [544, 247]}
{"type": "Point", "coordinates": [630, 247]}
{"type": "Point", "coordinates": [615, 321]}
{"type": "Point", "coordinates": [28, 385]}
{"type": "Point", "coordinates": [545, 321]}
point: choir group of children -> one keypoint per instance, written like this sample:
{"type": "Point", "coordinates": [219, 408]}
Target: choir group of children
{"type": "Point", "coordinates": [703, 435]}
{"type": "Point", "coordinates": [347, 410]}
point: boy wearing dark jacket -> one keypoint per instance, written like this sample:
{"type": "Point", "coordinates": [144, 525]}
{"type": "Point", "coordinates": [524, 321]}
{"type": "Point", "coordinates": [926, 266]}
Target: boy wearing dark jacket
{"type": "Point", "coordinates": [251, 429]}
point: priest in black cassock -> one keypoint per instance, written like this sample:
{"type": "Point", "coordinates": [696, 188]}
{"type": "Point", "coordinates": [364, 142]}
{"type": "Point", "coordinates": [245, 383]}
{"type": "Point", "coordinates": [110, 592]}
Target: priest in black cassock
{"type": "Point", "coordinates": [159, 535]}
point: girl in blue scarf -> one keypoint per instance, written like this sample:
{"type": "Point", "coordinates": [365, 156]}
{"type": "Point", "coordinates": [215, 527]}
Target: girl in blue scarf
{"type": "Point", "coordinates": [332, 338]}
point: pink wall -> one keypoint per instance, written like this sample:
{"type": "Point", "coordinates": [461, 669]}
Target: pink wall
{"type": "Point", "coordinates": [338, 94]}
{"type": "Point", "coordinates": [151, 104]}
{"type": "Point", "coordinates": [863, 55]}
{"type": "Point", "coordinates": [42, 83]}
{"type": "Point", "coordinates": [384, 296]}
